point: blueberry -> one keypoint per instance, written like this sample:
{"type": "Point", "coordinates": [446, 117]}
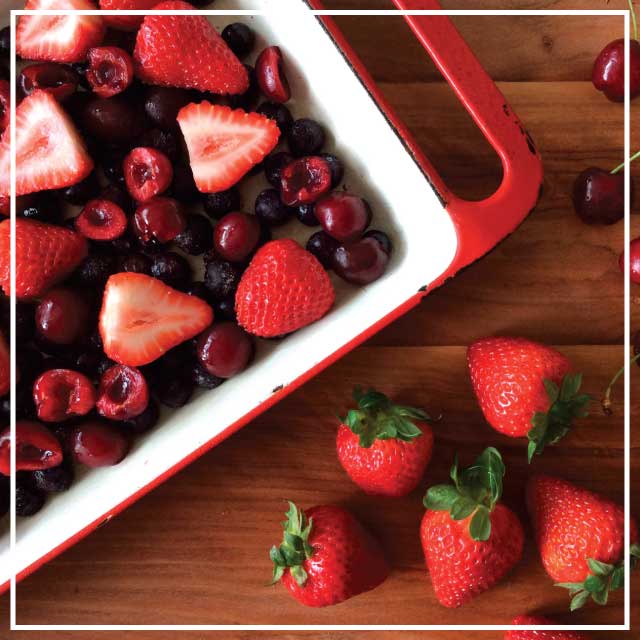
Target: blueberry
{"type": "Point", "coordinates": [183, 187]}
{"type": "Point", "coordinates": [250, 97]}
{"type": "Point", "coordinates": [28, 499]}
{"type": "Point", "coordinates": [165, 141]}
{"type": "Point", "coordinates": [217, 205]}
{"type": "Point", "coordinates": [199, 290]}
{"type": "Point", "coordinates": [5, 413]}
{"type": "Point", "coordinates": [120, 197]}
{"type": "Point", "coordinates": [307, 215]}
{"type": "Point", "coordinates": [197, 238]}
{"type": "Point", "coordinates": [88, 363]}
{"type": "Point", "coordinates": [337, 168]}
{"type": "Point", "coordinates": [111, 164]}
{"type": "Point", "coordinates": [136, 263]}
{"type": "Point", "coordinates": [279, 113]}
{"type": "Point", "coordinates": [323, 246]}
{"type": "Point", "coordinates": [172, 269]}
{"type": "Point", "coordinates": [221, 278]}
{"type": "Point", "coordinates": [225, 309]}
{"type": "Point", "coordinates": [5, 42]}
{"type": "Point", "coordinates": [240, 38]}
{"type": "Point", "coordinates": [53, 480]}
{"type": "Point", "coordinates": [306, 138]}
{"type": "Point", "coordinates": [5, 496]}
{"type": "Point", "coordinates": [41, 206]}
{"type": "Point", "coordinates": [162, 105]}
{"type": "Point", "coordinates": [94, 271]}
{"type": "Point", "coordinates": [271, 210]}
{"type": "Point", "coordinates": [80, 193]}
{"type": "Point", "coordinates": [174, 391]}
{"type": "Point", "coordinates": [203, 379]}
{"type": "Point", "coordinates": [383, 240]}
{"type": "Point", "coordinates": [146, 421]}
{"type": "Point", "coordinates": [273, 166]}
{"type": "Point", "coordinates": [25, 322]}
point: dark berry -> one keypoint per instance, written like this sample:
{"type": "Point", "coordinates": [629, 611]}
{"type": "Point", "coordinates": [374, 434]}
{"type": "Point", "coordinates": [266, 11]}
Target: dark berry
{"type": "Point", "coordinates": [60, 80]}
{"type": "Point", "coordinates": [197, 238]}
{"type": "Point", "coordinates": [123, 393]}
{"type": "Point", "coordinates": [323, 246]}
{"type": "Point", "coordinates": [96, 444]}
{"type": "Point", "coordinates": [199, 290]}
{"type": "Point", "coordinates": [166, 142]}
{"type": "Point", "coordinates": [110, 70]}
{"type": "Point", "coordinates": [270, 209]}
{"type": "Point", "coordinates": [160, 219]}
{"type": "Point", "coordinates": [172, 269]}
{"type": "Point", "coordinates": [236, 236]}
{"type": "Point", "coordinates": [55, 480]}
{"type": "Point", "coordinates": [360, 263]}
{"type": "Point", "coordinates": [146, 421]}
{"type": "Point", "coordinates": [240, 38]}
{"type": "Point", "coordinates": [81, 69]}
{"type": "Point", "coordinates": [163, 103]}
{"type": "Point", "coordinates": [225, 309]}
{"type": "Point", "coordinates": [25, 322]}
{"type": "Point", "coordinates": [174, 391]}
{"type": "Point", "coordinates": [80, 193]}
{"type": "Point", "coordinates": [307, 215]}
{"type": "Point", "coordinates": [343, 216]}
{"type": "Point", "coordinates": [203, 379]}
{"type": "Point", "coordinates": [337, 168]}
{"type": "Point", "coordinates": [271, 76]}
{"type": "Point", "coordinates": [62, 316]}
{"type": "Point", "coordinates": [183, 187]}
{"type": "Point", "coordinates": [60, 394]}
{"type": "Point", "coordinates": [120, 197]}
{"type": "Point", "coordinates": [28, 500]}
{"type": "Point", "coordinates": [279, 113]}
{"type": "Point", "coordinates": [250, 97]}
{"type": "Point", "coordinates": [217, 205]}
{"type": "Point", "coordinates": [40, 206]}
{"type": "Point", "coordinates": [5, 42]}
{"type": "Point", "coordinates": [147, 173]}
{"type": "Point", "coordinates": [101, 220]}
{"type": "Point", "coordinates": [221, 278]}
{"type": "Point", "coordinates": [224, 350]}
{"type": "Point", "coordinates": [273, 166]}
{"type": "Point", "coordinates": [306, 138]}
{"type": "Point", "coordinates": [136, 263]}
{"type": "Point", "coordinates": [112, 120]}
{"type": "Point", "coordinates": [382, 238]}
{"type": "Point", "coordinates": [111, 164]}
{"type": "Point", "coordinates": [94, 271]}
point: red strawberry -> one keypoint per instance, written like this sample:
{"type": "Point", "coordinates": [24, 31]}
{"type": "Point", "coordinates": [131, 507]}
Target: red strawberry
{"type": "Point", "coordinates": [125, 23]}
{"type": "Point", "coordinates": [580, 536]}
{"type": "Point", "coordinates": [385, 448]}
{"type": "Point", "coordinates": [284, 289]}
{"type": "Point", "coordinates": [45, 255]}
{"type": "Point", "coordinates": [327, 557]}
{"type": "Point", "coordinates": [58, 38]}
{"type": "Point", "coordinates": [525, 389]}
{"type": "Point", "coordinates": [5, 104]}
{"type": "Point", "coordinates": [142, 318]}
{"type": "Point", "coordinates": [531, 621]}
{"type": "Point", "coordinates": [5, 366]}
{"type": "Point", "coordinates": [470, 541]}
{"type": "Point", "coordinates": [49, 151]}
{"type": "Point", "coordinates": [224, 145]}
{"type": "Point", "coordinates": [186, 51]}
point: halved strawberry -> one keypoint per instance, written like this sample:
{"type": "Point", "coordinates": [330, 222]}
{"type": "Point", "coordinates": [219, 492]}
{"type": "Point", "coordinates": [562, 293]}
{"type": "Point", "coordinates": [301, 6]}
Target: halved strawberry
{"type": "Point", "coordinates": [49, 151]}
{"type": "Point", "coordinates": [142, 318]}
{"type": "Point", "coordinates": [58, 38]}
{"type": "Point", "coordinates": [224, 145]}
{"type": "Point", "coordinates": [125, 23]}
{"type": "Point", "coordinates": [5, 370]}
{"type": "Point", "coordinates": [186, 51]}
{"type": "Point", "coordinates": [45, 255]}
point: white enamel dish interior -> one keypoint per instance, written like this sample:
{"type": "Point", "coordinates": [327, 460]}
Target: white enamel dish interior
{"type": "Point", "coordinates": [404, 204]}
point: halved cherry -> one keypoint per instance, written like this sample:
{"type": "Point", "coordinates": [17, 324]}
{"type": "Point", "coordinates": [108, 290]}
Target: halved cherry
{"type": "Point", "coordinates": [60, 394]}
{"type": "Point", "coordinates": [147, 173]}
{"type": "Point", "coordinates": [60, 80]}
{"type": "Point", "coordinates": [305, 180]}
{"type": "Point", "coordinates": [36, 448]}
{"type": "Point", "coordinates": [5, 106]}
{"type": "Point", "coordinates": [101, 220]}
{"type": "Point", "coordinates": [110, 70]}
{"type": "Point", "coordinates": [123, 393]}
{"type": "Point", "coordinates": [159, 220]}
{"type": "Point", "coordinates": [270, 73]}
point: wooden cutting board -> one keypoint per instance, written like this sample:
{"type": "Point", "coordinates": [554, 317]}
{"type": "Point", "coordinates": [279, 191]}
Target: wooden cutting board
{"type": "Point", "coordinates": [195, 550]}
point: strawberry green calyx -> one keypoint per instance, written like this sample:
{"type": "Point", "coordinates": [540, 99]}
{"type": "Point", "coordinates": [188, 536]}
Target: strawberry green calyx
{"type": "Point", "coordinates": [295, 547]}
{"type": "Point", "coordinates": [566, 405]}
{"type": "Point", "coordinates": [601, 581]}
{"type": "Point", "coordinates": [377, 418]}
{"type": "Point", "coordinates": [475, 492]}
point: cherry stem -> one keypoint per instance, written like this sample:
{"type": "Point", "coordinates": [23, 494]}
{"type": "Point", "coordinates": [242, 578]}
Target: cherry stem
{"type": "Point", "coordinates": [606, 399]}
{"type": "Point", "coordinates": [633, 19]}
{"type": "Point", "coordinates": [620, 167]}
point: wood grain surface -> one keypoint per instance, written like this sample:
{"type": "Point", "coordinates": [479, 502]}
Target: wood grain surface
{"type": "Point", "coordinates": [194, 551]}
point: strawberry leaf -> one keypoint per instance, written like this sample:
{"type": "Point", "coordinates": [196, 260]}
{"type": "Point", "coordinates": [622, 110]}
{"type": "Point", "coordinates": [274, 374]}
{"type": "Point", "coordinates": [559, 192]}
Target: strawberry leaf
{"type": "Point", "coordinates": [441, 497]}
{"type": "Point", "coordinates": [579, 600]}
{"type": "Point", "coordinates": [480, 527]}
{"type": "Point", "coordinates": [462, 508]}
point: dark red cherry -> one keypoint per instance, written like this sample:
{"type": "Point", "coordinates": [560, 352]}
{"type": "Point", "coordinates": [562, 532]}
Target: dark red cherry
{"type": "Point", "coordinates": [101, 220]}
{"type": "Point", "coordinates": [224, 350]}
{"type": "Point", "coordinates": [343, 216]}
{"type": "Point", "coordinates": [159, 219]}
{"type": "Point", "coordinates": [147, 173]}
{"type": "Point", "coordinates": [634, 261]}
{"type": "Point", "coordinates": [110, 70]}
{"type": "Point", "coordinates": [36, 448]}
{"type": "Point", "coordinates": [60, 394]}
{"type": "Point", "coordinates": [123, 393]}
{"type": "Point", "coordinates": [96, 444]}
{"type": "Point", "coordinates": [271, 77]}
{"type": "Point", "coordinates": [608, 70]}
{"type": "Point", "coordinates": [62, 317]}
{"type": "Point", "coordinates": [304, 181]}
{"type": "Point", "coordinates": [598, 196]}
{"type": "Point", "coordinates": [236, 236]}
{"type": "Point", "coordinates": [60, 80]}
{"type": "Point", "coordinates": [360, 263]}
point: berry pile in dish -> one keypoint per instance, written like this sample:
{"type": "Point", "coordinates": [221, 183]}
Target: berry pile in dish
{"type": "Point", "coordinates": [136, 252]}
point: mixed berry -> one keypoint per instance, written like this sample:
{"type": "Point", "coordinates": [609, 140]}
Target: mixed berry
{"type": "Point", "coordinates": [136, 252]}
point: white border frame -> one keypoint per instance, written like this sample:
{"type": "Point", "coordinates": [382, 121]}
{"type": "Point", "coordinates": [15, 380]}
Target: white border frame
{"type": "Point", "coordinates": [626, 626]}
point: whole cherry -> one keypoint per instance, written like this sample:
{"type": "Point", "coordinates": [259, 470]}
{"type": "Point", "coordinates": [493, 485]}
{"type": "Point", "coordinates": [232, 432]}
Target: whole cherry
{"type": "Point", "coordinates": [634, 261]}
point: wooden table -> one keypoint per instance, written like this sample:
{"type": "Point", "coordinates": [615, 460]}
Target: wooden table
{"type": "Point", "coordinates": [195, 550]}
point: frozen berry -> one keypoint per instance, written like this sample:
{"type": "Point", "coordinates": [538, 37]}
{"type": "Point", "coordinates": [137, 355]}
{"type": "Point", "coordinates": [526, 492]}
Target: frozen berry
{"type": "Point", "coordinates": [306, 138]}
{"type": "Point", "coordinates": [271, 210]}
{"type": "Point", "coordinates": [136, 263]}
{"type": "Point", "coordinates": [160, 219]}
{"type": "Point", "coordinates": [5, 41]}
{"type": "Point", "coordinates": [60, 80]}
{"type": "Point", "coordinates": [112, 120]}
{"type": "Point", "coordinates": [147, 173]}
{"type": "Point", "coordinates": [95, 270]}
{"type": "Point", "coordinates": [279, 113]}
{"type": "Point", "coordinates": [236, 236]}
{"type": "Point", "coordinates": [25, 321]}
{"type": "Point", "coordinates": [250, 97]}
{"type": "Point", "coordinates": [343, 216]}
{"type": "Point", "coordinates": [123, 393]}
{"type": "Point", "coordinates": [60, 394]}
{"type": "Point", "coordinates": [54, 480]}
{"type": "Point", "coordinates": [240, 38]}
{"type": "Point", "coordinates": [96, 444]}
{"type": "Point", "coordinates": [36, 448]}
{"type": "Point", "coordinates": [197, 238]}
{"type": "Point", "coordinates": [38, 206]}
{"type": "Point", "coordinates": [166, 142]}
{"type": "Point", "coordinates": [221, 278]}
{"type": "Point", "coordinates": [29, 500]}
{"type": "Point", "coordinates": [382, 238]}
{"type": "Point", "coordinates": [163, 103]}
{"type": "Point", "coordinates": [217, 205]}
{"type": "Point", "coordinates": [199, 290]}
{"type": "Point", "coordinates": [271, 76]}
{"type": "Point", "coordinates": [306, 213]}
{"type": "Point", "coordinates": [101, 220]}
{"type": "Point", "coordinates": [360, 263]}
{"type": "Point", "coordinates": [62, 316]}
{"type": "Point", "coordinates": [305, 180]}
{"type": "Point", "coordinates": [225, 309]}
{"type": "Point", "coordinates": [203, 379]}
{"type": "Point", "coordinates": [224, 350]}
{"type": "Point", "coordinates": [274, 163]}
{"type": "Point", "coordinates": [146, 421]}
{"type": "Point", "coordinates": [81, 192]}
{"type": "Point", "coordinates": [323, 246]}
{"type": "Point", "coordinates": [110, 70]}
{"type": "Point", "coordinates": [174, 391]}
{"type": "Point", "coordinates": [183, 187]}
{"type": "Point", "coordinates": [172, 269]}
{"type": "Point", "coordinates": [337, 168]}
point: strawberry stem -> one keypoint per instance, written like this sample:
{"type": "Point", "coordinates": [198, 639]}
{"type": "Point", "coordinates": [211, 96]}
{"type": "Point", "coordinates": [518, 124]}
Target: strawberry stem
{"type": "Point", "coordinates": [633, 19]}
{"type": "Point", "coordinates": [606, 398]}
{"type": "Point", "coordinates": [620, 167]}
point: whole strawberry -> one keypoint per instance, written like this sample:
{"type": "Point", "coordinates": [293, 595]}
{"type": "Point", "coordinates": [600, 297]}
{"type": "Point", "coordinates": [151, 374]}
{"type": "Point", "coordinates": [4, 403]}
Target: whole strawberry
{"type": "Point", "coordinates": [5, 366]}
{"type": "Point", "coordinates": [580, 537]}
{"type": "Point", "coordinates": [470, 540]}
{"type": "Point", "coordinates": [550, 634]}
{"type": "Point", "coordinates": [385, 448]}
{"type": "Point", "coordinates": [525, 389]}
{"type": "Point", "coordinates": [326, 556]}
{"type": "Point", "coordinates": [284, 289]}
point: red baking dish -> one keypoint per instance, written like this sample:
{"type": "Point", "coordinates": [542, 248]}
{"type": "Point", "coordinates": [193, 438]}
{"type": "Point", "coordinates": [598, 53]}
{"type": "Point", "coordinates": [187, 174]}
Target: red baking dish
{"type": "Point", "coordinates": [435, 234]}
